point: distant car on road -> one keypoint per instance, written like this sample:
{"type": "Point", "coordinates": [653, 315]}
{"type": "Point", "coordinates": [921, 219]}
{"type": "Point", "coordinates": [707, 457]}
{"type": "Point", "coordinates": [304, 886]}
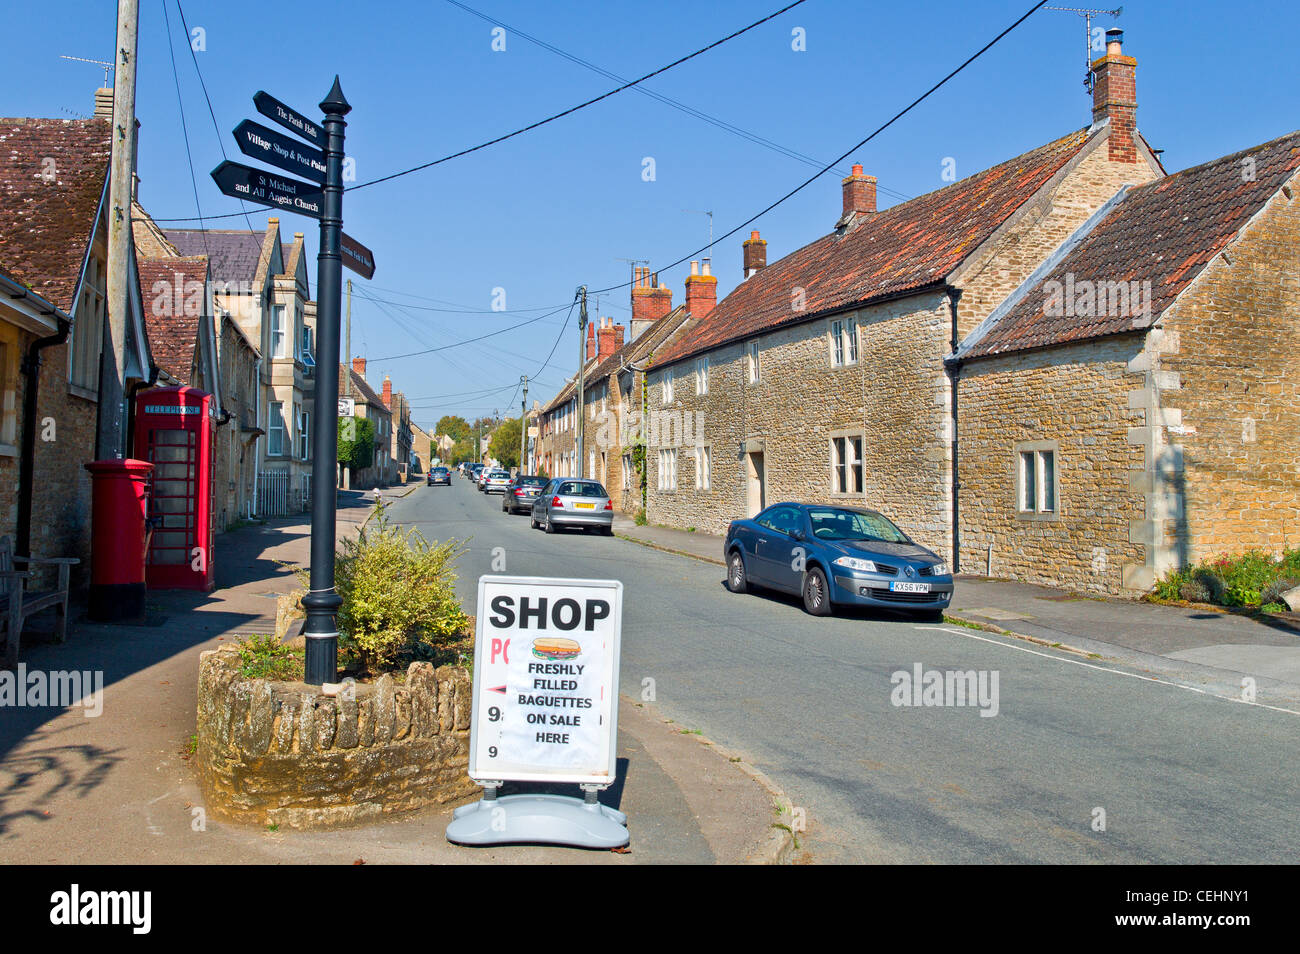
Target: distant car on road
{"type": "Point", "coordinates": [521, 492]}
{"type": "Point", "coordinates": [833, 556]}
{"type": "Point", "coordinates": [574, 502]}
{"type": "Point", "coordinates": [439, 475]}
{"type": "Point", "coordinates": [494, 481]}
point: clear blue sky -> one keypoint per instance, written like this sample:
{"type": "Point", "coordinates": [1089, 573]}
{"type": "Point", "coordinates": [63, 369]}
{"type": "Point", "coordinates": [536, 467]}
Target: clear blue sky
{"type": "Point", "coordinates": [557, 207]}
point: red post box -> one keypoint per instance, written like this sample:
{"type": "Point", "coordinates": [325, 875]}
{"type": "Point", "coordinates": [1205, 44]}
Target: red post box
{"type": "Point", "coordinates": [119, 494]}
{"type": "Point", "coordinates": [175, 431]}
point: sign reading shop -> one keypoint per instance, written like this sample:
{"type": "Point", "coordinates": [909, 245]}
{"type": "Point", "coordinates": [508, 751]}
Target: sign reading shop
{"type": "Point", "coordinates": [546, 661]}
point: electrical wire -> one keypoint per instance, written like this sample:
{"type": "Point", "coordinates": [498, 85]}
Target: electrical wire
{"type": "Point", "coordinates": [580, 106]}
{"type": "Point", "coordinates": [848, 152]}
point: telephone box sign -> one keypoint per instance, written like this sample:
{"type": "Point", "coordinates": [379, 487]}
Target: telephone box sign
{"type": "Point", "coordinates": [546, 657]}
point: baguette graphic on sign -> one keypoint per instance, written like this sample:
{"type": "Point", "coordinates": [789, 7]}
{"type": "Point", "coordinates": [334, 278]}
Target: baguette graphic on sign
{"type": "Point", "coordinates": [546, 680]}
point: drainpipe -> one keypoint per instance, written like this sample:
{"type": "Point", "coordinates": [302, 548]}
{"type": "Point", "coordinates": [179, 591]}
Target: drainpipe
{"type": "Point", "coordinates": [257, 422]}
{"type": "Point", "coordinates": [954, 375]}
{"type": "Point", "coordinates": [26, 468]}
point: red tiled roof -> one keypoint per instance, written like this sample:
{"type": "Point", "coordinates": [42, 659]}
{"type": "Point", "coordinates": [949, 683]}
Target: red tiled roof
{"type": "Point", "coordinates": [904, 248]}
{"type": "Point", "coordinates": [174, 294]}
{"type": "Point", "coordinates": [1164, 232]}
{"type": "Point", "coordinates": [52, 173]}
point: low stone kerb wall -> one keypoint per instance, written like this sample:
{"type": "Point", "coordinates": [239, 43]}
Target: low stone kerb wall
{"type": "Point", "coordinates": [283, 753]}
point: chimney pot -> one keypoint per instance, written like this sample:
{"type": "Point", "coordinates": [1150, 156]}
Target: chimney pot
{"type": "Point", "coordinates": [859, 194]}
{"type": "Point", "coordinates": [755, 253]}
{"type": "Point", "coordinates": [695, 268]}
{"type": "Point", "coordinates": [1114, 97]}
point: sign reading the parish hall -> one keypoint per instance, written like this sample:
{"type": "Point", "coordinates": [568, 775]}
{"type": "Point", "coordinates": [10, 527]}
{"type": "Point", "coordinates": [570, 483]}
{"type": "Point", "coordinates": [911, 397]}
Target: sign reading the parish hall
{"type": "Point", "coordinates": [546, 658]}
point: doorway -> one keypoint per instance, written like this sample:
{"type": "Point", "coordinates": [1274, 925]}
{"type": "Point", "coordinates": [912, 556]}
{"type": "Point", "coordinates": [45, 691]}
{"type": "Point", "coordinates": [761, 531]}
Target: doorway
{"type": "Point", "coordinates": [756, 485]}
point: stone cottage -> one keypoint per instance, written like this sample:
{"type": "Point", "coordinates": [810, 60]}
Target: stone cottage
{"type": "Point", "coordinates": [822, 376]}
{"type": "Point", "coordinates": [1135, 405]}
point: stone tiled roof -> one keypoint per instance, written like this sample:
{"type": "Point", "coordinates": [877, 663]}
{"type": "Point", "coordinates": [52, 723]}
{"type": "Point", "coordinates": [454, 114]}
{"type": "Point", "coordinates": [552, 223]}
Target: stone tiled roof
{"type": "Point", "coordinates": [150, 240]}
{"type": "Point", "coordinates": [172, 320]}
{"type": "Point", "coordinates": [634, 350]}
{"type": "Point", "coordinates": [904, 248]}
{"type": "Point", "coordinates": [1164, 233]}
{"type": "Point", "coordinates": [234, 255]}
{"type": "Point", "coordinates": [52, 174]}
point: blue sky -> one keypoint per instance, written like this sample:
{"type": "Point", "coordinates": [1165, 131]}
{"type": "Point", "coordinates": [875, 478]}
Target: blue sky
{"type": "Point", "coordinates": [557, 207]}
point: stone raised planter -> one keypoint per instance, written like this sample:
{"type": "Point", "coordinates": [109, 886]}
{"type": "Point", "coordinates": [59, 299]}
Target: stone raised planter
{"type": "Point", "coordinates": [283, 753]}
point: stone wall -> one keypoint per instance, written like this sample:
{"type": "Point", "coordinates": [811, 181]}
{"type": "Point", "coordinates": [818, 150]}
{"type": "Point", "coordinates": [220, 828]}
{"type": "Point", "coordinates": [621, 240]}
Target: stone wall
{"type": "Point", "coordinates": [1230, 394]}
{"type": "Point", "coordinates": [283, 753]}
{"type": "Point", "coordinates": [1079, 398]}
{"type": "Point", "coordinates": [895, 396]}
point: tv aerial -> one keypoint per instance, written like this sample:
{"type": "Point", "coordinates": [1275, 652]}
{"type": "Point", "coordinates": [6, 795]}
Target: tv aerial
{"type": "Point", "coordinates": [1088, 15]}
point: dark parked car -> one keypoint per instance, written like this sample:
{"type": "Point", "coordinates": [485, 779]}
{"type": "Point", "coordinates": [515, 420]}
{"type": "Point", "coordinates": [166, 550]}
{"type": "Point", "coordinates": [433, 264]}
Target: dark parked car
{"type": "Point", "coordinates": [439, 475]}
{"type": "Point", "coordinates": [835, 556]}
{"type": "Point", "coordinates": [574, 502]}
{"type": "Point", "coordinates": [521, 492]}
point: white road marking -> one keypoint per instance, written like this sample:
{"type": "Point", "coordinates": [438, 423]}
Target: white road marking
{"type": "Point", "coordinates": [1117, 672]}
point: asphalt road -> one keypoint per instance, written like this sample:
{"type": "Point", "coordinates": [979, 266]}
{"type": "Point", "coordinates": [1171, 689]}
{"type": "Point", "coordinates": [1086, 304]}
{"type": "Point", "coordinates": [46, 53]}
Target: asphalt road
{"type": "Point", "coordinates": [1176, 776]}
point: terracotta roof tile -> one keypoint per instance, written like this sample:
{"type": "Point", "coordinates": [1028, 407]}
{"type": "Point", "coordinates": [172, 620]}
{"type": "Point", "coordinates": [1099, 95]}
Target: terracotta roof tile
{"type": "Point", "coordinates": [1164, 233]}
{"type": "Point", "coordinates": [174, 294]}
{"type": "Point", "coordinates": [904, 248]}
{"type": "Point", "coordinates": [52, 174]}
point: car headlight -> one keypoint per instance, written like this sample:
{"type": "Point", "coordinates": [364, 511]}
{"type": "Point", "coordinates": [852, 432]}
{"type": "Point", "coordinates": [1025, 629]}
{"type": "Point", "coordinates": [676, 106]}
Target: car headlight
{"type": "Point", "coordinates": [853, 563]}
{"type": "Point", "coordinates": [939, 569]}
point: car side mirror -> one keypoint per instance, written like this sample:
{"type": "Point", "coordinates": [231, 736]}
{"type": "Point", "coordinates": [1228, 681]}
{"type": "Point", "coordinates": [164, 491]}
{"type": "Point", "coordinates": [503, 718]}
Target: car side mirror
{"type": "Point", "coordinates": [796, 534]}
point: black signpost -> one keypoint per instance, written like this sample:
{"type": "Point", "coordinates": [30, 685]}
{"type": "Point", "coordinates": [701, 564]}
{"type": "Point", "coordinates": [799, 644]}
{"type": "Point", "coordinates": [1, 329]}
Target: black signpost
{"type": "Point", "coordinates": [290, 119]}
{"type": "Point", "coordinates": [269, 188]}
{"type": "Point", "coordinates": [257, 141]}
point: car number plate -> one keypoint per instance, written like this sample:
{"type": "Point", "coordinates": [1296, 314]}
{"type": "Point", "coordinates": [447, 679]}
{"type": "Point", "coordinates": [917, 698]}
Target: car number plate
{"type": "Point", "coordinates": [909, 587]}
{"type": "Point", "coordinates": [585, 506]}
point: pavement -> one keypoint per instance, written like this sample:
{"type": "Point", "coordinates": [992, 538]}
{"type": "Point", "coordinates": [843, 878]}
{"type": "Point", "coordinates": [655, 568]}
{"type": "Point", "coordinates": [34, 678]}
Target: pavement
{"type": "Point", "coordinates": [118, 787]}
{"type": "Point", "coordinates": [1201, 644]}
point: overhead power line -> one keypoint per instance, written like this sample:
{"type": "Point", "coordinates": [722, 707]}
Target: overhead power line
{"type": "Point", "coordinates": [522, 129]}
{"type": "Point", "coordinates": [580, 106]}
{"type": "Point", "coordinates": [722, 124]}
{"type": "Point", "coordinates": [848, 152]}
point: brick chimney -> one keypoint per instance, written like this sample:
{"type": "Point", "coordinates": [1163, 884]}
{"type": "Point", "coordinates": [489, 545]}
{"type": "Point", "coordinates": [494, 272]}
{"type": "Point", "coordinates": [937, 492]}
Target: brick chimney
{"type": "Point", "coordinates": [610, 337]}
{"type": "Point", "coordinates": [1114, 97]}
{"type": "Point", "coordinates": [388, 392]}
{"type": "Point", "coordinates": [755, 253]}
{"type": "Point", "coordinates": [359, 366]}
{"type": "Point", "coordinates": [591, 340]}
{"type": "Point", "coordinates": [650, 302]}
{"type": "Point", "coordinates": [859, 193]}
{"type": "Point", "coordinates": [701, 291]}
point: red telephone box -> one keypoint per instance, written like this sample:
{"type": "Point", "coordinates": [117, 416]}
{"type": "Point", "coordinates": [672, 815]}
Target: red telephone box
{"type": "Point", "coordinates": [175, 431]}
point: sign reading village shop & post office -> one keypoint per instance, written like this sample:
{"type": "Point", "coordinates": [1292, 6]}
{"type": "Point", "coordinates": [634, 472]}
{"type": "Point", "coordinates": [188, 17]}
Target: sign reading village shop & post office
{"type": "Point", "coordinates": [546, 659]}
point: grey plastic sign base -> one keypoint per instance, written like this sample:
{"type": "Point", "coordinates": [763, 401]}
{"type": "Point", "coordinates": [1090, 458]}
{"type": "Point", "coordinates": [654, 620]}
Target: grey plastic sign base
{"type": "Point", "coordinates": [538, 819]}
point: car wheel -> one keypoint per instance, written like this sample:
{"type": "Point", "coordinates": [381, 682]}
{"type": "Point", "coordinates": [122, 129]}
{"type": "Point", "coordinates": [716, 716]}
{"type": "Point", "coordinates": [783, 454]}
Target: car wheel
{"type": "Point", "coordinates": [737, 579]}
{"type": "Point", "coordinates": [931, 616]}
{"type": "Point", "coordinates": [533, 520]}
{"type": "Point", "coordinates": [816, 594]}
{"type": "Point", "coordinates": [548, 526]}
{"type": "Point", "coordinates": [607, 531]}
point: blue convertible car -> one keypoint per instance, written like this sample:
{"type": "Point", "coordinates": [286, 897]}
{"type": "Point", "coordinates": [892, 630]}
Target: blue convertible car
{"type": "Point", "coordinates": [835, 556]}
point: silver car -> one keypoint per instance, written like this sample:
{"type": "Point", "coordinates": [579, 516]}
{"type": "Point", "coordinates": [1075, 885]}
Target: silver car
{"type": "Point", "coordinates": [495, 482]}
{"type": "Point", "coordinates": [574, 502]}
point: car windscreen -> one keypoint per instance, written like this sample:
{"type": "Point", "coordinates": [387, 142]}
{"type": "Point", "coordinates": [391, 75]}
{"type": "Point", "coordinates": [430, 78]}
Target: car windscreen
{"type": "Point", "coordinates": [831, 524]}
{"type": "Point", "coordinates": [497, 474]}
{"type": "Point", "coordinates": [575, 488]}
{"type": "Point", "coordinates": [531, 481]}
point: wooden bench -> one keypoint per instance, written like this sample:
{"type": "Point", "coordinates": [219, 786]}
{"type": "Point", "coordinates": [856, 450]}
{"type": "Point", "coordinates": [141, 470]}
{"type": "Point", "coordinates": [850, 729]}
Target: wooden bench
{"type": "Point", "coordinates": [17, 603]}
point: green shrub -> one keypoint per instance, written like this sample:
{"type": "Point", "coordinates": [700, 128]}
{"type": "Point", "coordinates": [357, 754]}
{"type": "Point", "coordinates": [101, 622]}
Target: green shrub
{"type": "Point", "coordinates": [1194, 591]}
{"type": "Point", "coordinates": [640, 518]}
{"type": "Point", "coordinates": [1171, 587]}
{"type": "Point", "coordinates": [265, 657]}
{"type": "Point", "coordinates": [1251, 579]}
{"type": "Point", "coordinates": [397, 589]}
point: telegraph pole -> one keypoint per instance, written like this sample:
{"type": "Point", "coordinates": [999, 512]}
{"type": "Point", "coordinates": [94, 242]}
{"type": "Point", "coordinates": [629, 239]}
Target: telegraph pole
{"type": "Point", "coordinates": [582, 378]}
{"type": "Point", "coordinates": [322, 602]}
{"type": "Point", "coordinates": [523, 426]}
{"type": "Point", "coordinates": [347, 371]}
{"type": "Point", "coordinates": [111, 436]}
